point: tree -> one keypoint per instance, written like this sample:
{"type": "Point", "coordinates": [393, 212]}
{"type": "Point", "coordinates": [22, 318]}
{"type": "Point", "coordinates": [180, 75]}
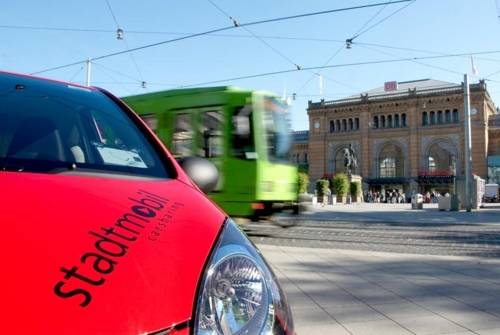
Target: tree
{"type": "Point", "coordinates": [322, 186]}
{"type": "Point", "coordinates": [355, 189]}
{"type": "Point", "coordinates": [340, 184]}
{"type": "Point", "coordinates": [302, 182]}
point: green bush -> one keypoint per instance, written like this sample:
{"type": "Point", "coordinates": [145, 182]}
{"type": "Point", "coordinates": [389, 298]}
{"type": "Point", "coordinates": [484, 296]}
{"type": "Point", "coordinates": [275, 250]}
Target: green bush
{"type": "Point", "coordinates": [302, 182]}
{"type": "Point", "coordinates": [322, 186]}
{"type": "Point", "coordinates": [340, 184]}
{"type": "Point", "coordinates": [355, 189]}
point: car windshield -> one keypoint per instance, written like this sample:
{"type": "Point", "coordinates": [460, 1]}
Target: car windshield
{"type": "Point", "coordinates": [49, 127]}
{"type": "Point", "coordinates": [277, 126]}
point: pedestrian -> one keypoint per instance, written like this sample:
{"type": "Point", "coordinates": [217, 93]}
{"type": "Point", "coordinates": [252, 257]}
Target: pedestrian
{"type": "Point", "coordinates": [326, 197]}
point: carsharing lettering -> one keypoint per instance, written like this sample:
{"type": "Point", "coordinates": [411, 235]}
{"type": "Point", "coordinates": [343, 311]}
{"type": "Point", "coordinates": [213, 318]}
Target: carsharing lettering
{"type": "Point", "coordinates": [110, 243]}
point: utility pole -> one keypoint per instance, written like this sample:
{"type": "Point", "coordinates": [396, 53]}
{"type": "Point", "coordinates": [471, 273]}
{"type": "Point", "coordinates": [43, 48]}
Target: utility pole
{"type": "Point", "coordinates": [468, 156]}
{"type": "Point", "coordinates": [88, 71]}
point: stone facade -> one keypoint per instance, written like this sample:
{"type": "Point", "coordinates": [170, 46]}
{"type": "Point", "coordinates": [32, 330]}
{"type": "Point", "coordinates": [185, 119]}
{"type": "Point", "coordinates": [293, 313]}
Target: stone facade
{"type": "Point", "coordinates": [410, 139]}
{"type": "Point", "coordinates": [299, 152]}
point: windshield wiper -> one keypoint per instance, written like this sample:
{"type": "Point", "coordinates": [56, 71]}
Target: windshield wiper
{"type": "Point", "coordinates": [30, 165]}
{"type": "Point", "coordinates": [12, 167]}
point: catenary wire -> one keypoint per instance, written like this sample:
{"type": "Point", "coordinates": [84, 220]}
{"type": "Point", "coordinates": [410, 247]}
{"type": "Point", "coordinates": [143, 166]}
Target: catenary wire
{"type": "Point", "coordinates": [382, 20]}
{"type": "Point", "coordinates": [223, 29]}
{"type": "Point", "coordinates": [413, 61]}
{"type": "Point", "coordinates": [235, 22]}
{"type": "Point", "coordinates": [76, 74]}
{"type": "Point", "coordinates": [341, 48]}
{"type": "Point", "coordinates": [382, 61]}
{"type": "Point", "coordinates": [131, 55]}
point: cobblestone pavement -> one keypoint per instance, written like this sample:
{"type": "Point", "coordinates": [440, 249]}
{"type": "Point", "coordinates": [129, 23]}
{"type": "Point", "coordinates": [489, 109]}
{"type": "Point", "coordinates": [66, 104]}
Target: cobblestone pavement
{"type": "Point", "coordinates": [346, 292]}
{"type": "Point", "coordinates": [387, 228]}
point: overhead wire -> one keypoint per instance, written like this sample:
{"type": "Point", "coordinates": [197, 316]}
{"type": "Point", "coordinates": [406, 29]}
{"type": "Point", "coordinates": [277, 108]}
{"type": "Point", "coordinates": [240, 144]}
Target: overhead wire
{"type": "Point", "coordinates": [492, 74]}
{"type": "Point", "coordinates": [118, 72]}
{"type": "Point", "coordinates": [342, 47]}
{"type": "Point", "coordinates": [76, 74]}
{"type": "Point", "coordinates": [433, 52]}
{"type": "Point", "coordinates": [123, 38]}
{"type": "Point", "coordinates": [277, 37]}
{"type": "Point", "coordinates": [224, 29]}
{"type": "Point", "coordinates": [371, 19]}
{"type": "Point", "coordinates": [382, 61]}
{"type": "Point", "coordinates": [382, 20]}
{"type": "Point", "coordinates": [105, 71]}
{"type": "Point", "coordinates": [235, 22]}
{"type": "Point", "coordinates": [112, 14]}
{"type": "Point", "coordinates": [288, 59]}
{"type": "Point", "coordinates": [413, 61]}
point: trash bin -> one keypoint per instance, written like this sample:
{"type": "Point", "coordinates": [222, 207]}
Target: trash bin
{"type": "Point", "coordinates": [417, 201]}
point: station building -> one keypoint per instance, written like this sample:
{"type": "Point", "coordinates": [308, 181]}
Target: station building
{"type": "Point", "coordinates": [299, 153]}
{"type": "Point", "coordinates": [408, 136]}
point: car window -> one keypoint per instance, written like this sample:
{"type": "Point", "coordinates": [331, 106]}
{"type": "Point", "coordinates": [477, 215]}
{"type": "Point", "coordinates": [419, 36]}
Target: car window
{"type": "Point", "coordinates": [44, 127]}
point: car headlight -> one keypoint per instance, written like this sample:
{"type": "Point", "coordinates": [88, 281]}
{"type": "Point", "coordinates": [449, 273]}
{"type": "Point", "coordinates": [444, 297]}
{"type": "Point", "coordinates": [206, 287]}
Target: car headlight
{"type": "Point", "coordinates": [239, 294]}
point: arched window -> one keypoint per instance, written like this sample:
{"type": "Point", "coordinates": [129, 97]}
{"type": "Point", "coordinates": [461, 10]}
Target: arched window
{"type": "Point", "coordinates": [389, 121]}
{"type": "Point", "coordinates": [425, 119]}
{"type": "Point", "coordinates": [396, 121]}
{"type": "Point", "coordinates": [390, 161]}
{"type": "Point", "coordinates": [344, 125]}
{"type": "Point", "coordinates": [375, 122]}
{"type": "Point", "coordinates": [403, 120]}
{"type": "Point", "coordinates": [356, 123]}
{"type": "Point", "coordinates": [447, 116]}
{"type": "Point", "coordinates": [455, 116]}
{"type": "Point", "coordinates": [332, 126]}
{"type": "Point", "coordinates": [433, 117]}
{"type": "Point", "coordinates": [440, 117]}
{"type": "Point", "coordinates": [351, 124]}
{"type": "Point", "coordinates": [441, 158]}
{"type": "Point", "coordinates": [382, 121]}
{"type": "Point", "coordinates": [337, 125]}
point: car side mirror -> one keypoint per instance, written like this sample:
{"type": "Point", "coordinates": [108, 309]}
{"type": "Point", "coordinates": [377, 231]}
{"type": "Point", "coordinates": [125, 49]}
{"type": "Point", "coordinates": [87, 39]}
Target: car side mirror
{"type": "Point", "coordinates": [203, 172]}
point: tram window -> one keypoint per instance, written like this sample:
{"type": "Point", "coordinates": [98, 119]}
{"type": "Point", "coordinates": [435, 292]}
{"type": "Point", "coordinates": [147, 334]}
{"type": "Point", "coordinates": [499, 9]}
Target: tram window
{"type": "Point", "coordinates": [151, 120]}
{"type": "Point", "coordinates": [211, 134]}
{"type": "Point", "coordinates": [242, 133]}
{"type": "Point", "coordinates": [182, 138]}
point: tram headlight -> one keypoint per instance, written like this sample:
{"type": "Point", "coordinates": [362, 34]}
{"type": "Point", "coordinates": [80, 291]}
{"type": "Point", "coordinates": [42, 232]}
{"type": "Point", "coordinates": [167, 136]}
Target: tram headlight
{"type": "Point", "coordinates": [239, 294]}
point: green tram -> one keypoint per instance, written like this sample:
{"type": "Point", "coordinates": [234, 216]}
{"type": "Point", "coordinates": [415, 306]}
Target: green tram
{"type": "Point", "coordinates": [246, 134]}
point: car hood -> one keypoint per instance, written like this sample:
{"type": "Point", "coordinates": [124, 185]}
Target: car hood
{"type": "Point", "coordinates": [98, 255]}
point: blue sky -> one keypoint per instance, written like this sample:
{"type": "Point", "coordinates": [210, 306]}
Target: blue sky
{"type": "Point", "coordinates": [444, 26]}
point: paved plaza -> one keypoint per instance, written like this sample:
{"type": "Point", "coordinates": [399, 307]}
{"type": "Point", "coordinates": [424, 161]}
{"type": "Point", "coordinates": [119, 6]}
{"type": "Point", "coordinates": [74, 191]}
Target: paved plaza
{"type": "Point", "coordinates": [360, 291]}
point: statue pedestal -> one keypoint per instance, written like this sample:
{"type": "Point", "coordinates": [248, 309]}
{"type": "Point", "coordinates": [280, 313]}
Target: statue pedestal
{"type": "Point", "coordinates": [358, 179]}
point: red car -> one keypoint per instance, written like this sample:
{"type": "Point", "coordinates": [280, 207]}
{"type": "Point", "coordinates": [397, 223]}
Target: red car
{"type": "Point", "coordinates": [102, 232]}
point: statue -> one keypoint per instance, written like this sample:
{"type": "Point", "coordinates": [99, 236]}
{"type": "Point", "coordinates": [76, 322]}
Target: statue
{"type": "Point", "coordinates": [350, 160]}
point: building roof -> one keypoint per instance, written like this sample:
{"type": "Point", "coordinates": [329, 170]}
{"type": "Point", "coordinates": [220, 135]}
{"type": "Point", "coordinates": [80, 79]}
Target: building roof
{"type": "Point", "coordinates": [402, 90]}
{"type": "Point", "coordinates": [404, 86]}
